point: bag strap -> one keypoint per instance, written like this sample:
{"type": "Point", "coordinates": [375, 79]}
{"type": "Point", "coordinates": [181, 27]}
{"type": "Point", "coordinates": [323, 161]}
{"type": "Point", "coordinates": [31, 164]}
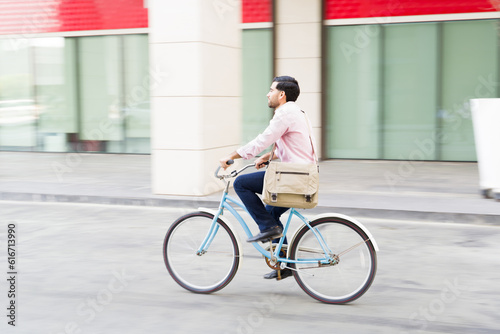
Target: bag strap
{"type": "Point", "coordinates": [310, 140]}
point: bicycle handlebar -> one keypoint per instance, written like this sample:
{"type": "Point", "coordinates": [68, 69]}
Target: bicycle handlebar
{"type": "Point", "coordinates": [234, 173]}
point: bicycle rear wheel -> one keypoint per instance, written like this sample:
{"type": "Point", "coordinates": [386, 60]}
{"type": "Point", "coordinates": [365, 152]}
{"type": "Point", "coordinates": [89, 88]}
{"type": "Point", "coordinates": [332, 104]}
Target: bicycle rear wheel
{"type": "Point", "coordinates": [204, 272]}
{"type": "Point", "coordinates": [352, 270]}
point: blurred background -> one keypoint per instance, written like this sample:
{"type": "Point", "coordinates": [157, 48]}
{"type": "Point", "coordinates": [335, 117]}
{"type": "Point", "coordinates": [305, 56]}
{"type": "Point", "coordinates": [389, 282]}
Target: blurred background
{"type": "Point", "coordinates": [395, 74]}
{"type": "Point", "coordinates": [129, 103]}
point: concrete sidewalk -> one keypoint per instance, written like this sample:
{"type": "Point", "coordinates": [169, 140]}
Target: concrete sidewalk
{"type": "Point", "coordinates": [437, 191]}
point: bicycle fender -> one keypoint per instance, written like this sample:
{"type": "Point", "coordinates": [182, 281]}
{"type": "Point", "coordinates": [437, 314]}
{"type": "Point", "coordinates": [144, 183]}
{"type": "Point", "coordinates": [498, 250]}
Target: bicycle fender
{"type": "Point", "coordinates": [352, 220]}
{"type": "Point", "coordinates": [231, 227]}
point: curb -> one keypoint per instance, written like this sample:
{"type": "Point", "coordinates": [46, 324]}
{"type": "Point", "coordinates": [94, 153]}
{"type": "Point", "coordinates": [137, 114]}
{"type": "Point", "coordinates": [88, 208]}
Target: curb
{"type": "Point", "coordinates": [389, 214]}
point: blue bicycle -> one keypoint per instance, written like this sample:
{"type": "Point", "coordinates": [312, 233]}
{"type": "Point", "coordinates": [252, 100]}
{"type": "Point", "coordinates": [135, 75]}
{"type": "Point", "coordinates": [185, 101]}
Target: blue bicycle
{"type": "Point", "coordinates": [333, 257]}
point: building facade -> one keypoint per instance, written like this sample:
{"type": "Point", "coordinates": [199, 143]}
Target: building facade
{"type": "Point", "coordinates": [396, 76]}
{"type": "Point", "coordinates": [74, 76]}
{"type": "Point", "coordinates": [186, 81]}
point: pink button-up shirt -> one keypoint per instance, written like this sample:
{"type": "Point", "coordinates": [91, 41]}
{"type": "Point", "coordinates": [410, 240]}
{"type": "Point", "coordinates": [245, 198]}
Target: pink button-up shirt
{"type": "Point", "coordinates": [290, 130]}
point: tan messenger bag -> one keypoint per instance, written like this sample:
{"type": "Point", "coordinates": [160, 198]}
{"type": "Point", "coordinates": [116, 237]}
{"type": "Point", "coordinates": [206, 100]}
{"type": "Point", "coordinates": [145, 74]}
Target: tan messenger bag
{"type": "Point", "coordinates": [291, 185]}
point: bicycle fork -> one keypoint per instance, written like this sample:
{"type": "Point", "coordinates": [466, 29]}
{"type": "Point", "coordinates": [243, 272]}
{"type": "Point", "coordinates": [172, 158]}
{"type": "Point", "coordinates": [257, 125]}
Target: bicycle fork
{"type": "Point", "coordinates": [212, 232]}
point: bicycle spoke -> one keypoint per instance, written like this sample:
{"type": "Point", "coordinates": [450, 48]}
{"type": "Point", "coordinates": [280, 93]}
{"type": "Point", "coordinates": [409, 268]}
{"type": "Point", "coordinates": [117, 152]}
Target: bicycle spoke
{"type": "Point", "coordinates": [353, 247]}
{"type": "Point", "coordinates": [209, 270]}
{"type": "Point", "coordinates": [342, 276]}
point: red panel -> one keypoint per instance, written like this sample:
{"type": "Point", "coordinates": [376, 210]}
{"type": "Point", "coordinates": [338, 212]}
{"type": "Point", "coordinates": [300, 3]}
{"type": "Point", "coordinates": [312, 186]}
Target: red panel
{"type": "Point", "coordinates": [256, 11]}
{"type": "Point", "coordinates": [342, 9]}
{"type": "Point", "coordinates": [27, 16]}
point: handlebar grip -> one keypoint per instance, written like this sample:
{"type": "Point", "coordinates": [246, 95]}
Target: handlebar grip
{"type": "Point", "coordinates": [229, 162]}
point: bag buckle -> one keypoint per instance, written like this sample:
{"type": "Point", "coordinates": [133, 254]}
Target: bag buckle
{"type": "Point", "coordinates": [274, 197]}
{"type": "Point", "coordinates": [308, 198]}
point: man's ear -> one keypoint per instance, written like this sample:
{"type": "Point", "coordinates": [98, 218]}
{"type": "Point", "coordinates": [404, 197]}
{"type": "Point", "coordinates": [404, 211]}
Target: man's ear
{"type": "Point", "coordinates": [282, 94]}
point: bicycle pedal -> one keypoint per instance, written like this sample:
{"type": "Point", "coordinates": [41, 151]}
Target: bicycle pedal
{"type": "Point", "coordinates": [282, 274]}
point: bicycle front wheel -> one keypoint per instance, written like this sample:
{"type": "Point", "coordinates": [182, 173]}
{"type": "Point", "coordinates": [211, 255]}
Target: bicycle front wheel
{"type": "Point", "coordinates": [346, 272]}
{"type": "Point", "coordinates": [204, 271]}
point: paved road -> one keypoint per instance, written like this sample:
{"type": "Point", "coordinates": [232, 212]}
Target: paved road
{"type": "Point", "coordinates": [86, 268]}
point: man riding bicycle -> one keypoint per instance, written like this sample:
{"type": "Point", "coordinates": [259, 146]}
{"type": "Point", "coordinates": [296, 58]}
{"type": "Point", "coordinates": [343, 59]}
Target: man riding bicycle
{"type": "Point", "coordinates": [290, 130]}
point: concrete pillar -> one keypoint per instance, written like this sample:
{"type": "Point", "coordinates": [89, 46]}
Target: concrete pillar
{"type": "Point", "coordinates": [298, 26]}
{"type": "Point", "coordinates": [195, 53]}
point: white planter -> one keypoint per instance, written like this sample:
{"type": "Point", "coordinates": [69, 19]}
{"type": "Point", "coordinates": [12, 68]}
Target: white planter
{"type": "Point", "coordinates": [486, 122]}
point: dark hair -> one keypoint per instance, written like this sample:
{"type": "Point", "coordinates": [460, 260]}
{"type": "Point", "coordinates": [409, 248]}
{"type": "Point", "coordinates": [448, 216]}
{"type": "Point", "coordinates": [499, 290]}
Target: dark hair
{"type": "Point", "coordinates": [288, 85]}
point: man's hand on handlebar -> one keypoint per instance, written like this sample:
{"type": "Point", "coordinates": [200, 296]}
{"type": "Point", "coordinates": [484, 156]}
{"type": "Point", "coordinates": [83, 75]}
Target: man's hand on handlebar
{"type": "Point", "coordinates": [261, 162]}
{"type": "Point", "coordinates": [226, 162]}
{"type": "Point", "coordinates": [229, 160]}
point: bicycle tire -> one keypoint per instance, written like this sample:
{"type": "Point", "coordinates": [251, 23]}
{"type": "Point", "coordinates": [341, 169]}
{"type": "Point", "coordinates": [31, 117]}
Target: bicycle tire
{"type": "Point", "coordinates": [204, 273]}
{"type": "Point", "coordinates": [338, 283]}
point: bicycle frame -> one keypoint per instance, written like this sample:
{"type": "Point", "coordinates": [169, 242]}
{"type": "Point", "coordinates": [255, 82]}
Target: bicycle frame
{"type": "Point", "coordinates": [225, 205]}
{"type": "Point", "coordinates": [217, 252]}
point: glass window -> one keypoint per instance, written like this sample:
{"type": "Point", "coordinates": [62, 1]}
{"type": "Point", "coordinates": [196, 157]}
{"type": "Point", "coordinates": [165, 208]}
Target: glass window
{"type": "Point", "coordinates": [136, 109]}
{"type": "Point", "coordinates": [402, 91]}
{"type": "Point", "coordinates": [19, 112]}
{"type": "Point", "coordinates": [352, 125]}
{"type": "Point", "coordinates": [470, 70]}
{"type": "Point", "coordinates": [55, 88]}
{"type": "Point", "coordinates": [86, 94]}
{"type": "Point", "coordinates": [410, 91]}
{"type": "Point", "coordinates": [100, 88]}
{"type": "Point", "coordinates": [257, 75]}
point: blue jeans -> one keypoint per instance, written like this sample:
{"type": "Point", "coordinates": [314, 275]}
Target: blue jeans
{"type": "Point", "coordinates": [247, 186]}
